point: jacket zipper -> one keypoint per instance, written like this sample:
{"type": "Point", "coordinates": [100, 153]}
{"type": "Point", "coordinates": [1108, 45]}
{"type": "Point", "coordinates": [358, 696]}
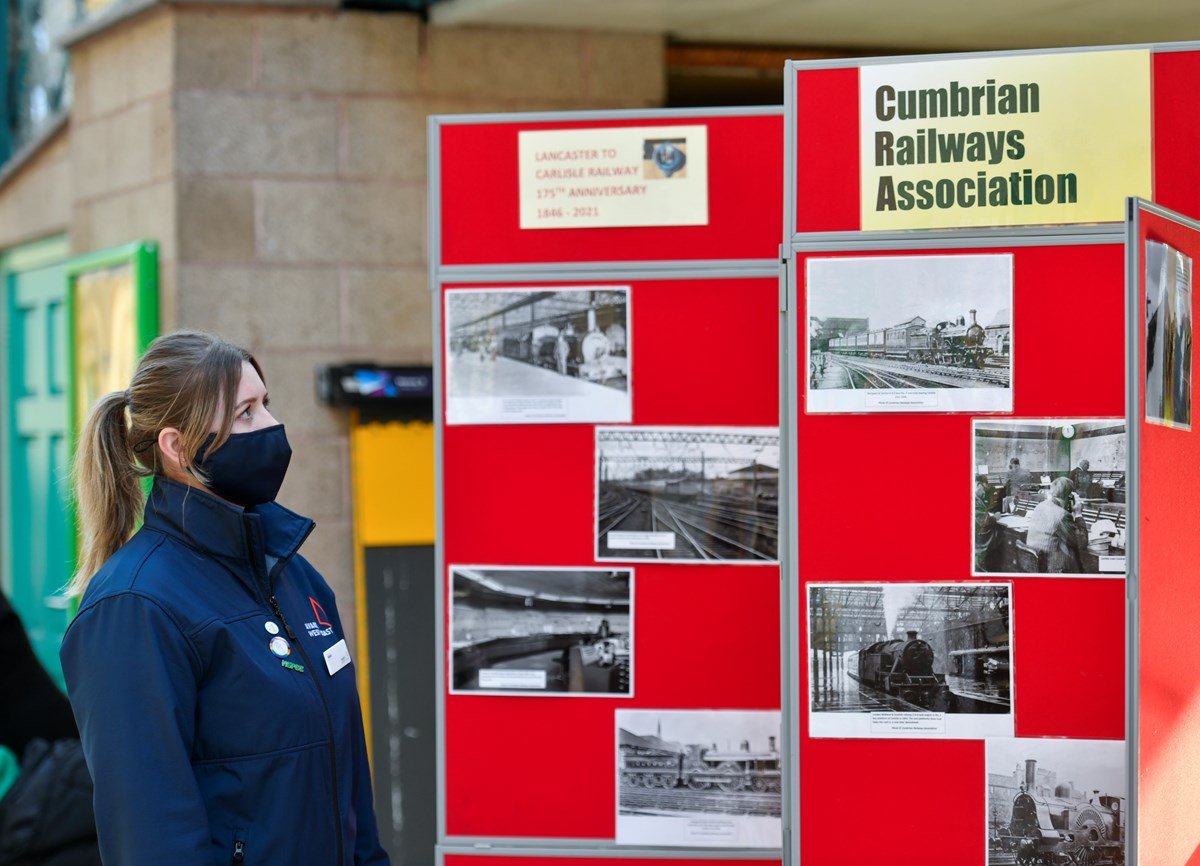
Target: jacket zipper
{"type": "Point", "coordinates": [239, 852]}
{"type": "Point", "coordinates": [337, 814]}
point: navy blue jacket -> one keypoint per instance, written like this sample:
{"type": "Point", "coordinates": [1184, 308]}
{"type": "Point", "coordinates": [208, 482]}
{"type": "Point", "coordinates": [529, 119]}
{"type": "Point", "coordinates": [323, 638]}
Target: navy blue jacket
{"type": "Point", "coordinates": [210, 741]}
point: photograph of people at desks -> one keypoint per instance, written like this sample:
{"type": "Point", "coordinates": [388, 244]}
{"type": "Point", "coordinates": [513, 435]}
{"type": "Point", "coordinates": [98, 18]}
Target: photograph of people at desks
{"type": "Point", "coordinates": [1049, 496]}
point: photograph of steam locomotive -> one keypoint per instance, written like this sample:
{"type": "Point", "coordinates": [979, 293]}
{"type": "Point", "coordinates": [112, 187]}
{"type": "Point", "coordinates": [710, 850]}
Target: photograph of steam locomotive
{"type": "Point", "coordinates": [1168, 336]}
{"type": "Point", "coordinates": [920, 660]}
{"type": "Point", "coordinates": [1054, 802]}
{"type": "Point", "coordinates": [687, 494]}
{"type": "Point", "coordinates": [910, 333]}
{"type": "Point", "coordinates": [535, 356]}
{"type": "Point", "coordinates": [535, 630]}
{"type": "Point", "coordinates": [697, 778]}
{"type": "Point", "coordinates": [1049, 496]}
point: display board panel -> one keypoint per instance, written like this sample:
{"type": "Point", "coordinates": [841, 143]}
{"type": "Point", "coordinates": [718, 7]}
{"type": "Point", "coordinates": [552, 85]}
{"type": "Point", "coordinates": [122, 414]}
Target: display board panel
{"type": "Point", "coordinates": [829, 127]}
{"type": "Point", "coordinates": [883, 501]}
{"type": "Point", "coordinates": [1168, 469]}
{"type": "Point", "coordinates": [524, 496]}
{"type": "Point", "coordinates": [479, 196]}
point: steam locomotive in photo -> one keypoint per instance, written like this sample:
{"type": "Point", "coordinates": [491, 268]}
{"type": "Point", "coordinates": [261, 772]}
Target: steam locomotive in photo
{"type": "Point", "coordinates": [700, 769]}
{"type": "Point", "coordinates": [902, 668]}
{"type": "Point", "coordinates": [597, 356]}
{"type": "Point", "coordinates": [950, 343]}
{"type": "Point", "coordinates": [1070, 828]}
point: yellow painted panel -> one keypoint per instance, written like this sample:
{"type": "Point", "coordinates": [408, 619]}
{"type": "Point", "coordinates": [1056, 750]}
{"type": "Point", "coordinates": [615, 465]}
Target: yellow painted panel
{"type": "Point", "coordinates": [393, 483]}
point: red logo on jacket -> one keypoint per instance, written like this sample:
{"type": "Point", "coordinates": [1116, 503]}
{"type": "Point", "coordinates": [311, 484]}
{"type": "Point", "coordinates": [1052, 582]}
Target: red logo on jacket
{"type": "Point", "coordinates": [321, 626]}
{"type": "Point", "coordinates": [319, 612]}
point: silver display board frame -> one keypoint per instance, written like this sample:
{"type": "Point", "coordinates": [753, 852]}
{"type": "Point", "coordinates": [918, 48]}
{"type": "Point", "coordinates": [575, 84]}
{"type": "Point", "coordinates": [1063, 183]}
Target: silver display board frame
{"type": "Point", "coordinates": [441, 274]}
{"type": "Point", "coordinates": [1134, 420]}
{"type": "Point", "coordinates": [795, 243]}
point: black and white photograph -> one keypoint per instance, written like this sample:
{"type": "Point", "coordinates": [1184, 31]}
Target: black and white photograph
{"type": "Point", "coordinates": [541, 631]}
{"type": "Point", "coordinates": [538, 356]}
{"type": "Point", "coordinates": [699, 778]}
{"type": "Point", "coordinates": [687, 494]}
{"type": "Point", "coordinates": [910, 333]}
{"type": "Point", "coordinates": [910, 660]}
{"type": "Point", "coordinates": [1168, 336]}
{"type": "Point", "coordinates": [1049, 496]}
{"type": "Point", "coordinates": [1056, 801]}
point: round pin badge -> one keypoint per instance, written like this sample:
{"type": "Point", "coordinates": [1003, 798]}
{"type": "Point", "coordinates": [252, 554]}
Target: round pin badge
{"type": "Point", "coordinates": [281, 647]}
{"type": "Point", "coordinates": [271, 627]}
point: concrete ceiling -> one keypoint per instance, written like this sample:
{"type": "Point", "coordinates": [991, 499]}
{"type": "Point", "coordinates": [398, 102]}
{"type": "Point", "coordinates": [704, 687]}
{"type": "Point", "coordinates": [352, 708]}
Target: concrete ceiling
{"type": "Point", "coordinates": [901, 25]}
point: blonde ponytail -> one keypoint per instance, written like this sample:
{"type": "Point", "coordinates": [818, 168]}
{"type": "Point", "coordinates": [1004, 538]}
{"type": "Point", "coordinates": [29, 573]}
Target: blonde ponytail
{"type": "Point", "coordinates": [187, 381]}
{"type": "Point", "coordinates": [108, 492]}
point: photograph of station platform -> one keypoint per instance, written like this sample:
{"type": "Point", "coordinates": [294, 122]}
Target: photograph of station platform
{"type": "Point", "coordinates": [542, 631]}
{"type": "Point", "coordinates": [687, 493]}
{"type": "Point", "coordinates": [905, 647]}
{"type": "Point", "coordinates": [544, 355]}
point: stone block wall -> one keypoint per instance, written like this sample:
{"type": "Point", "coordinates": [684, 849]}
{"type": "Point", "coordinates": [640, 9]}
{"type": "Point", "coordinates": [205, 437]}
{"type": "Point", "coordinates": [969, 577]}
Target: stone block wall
{"type": "Point", "coordinates": [122, 144]}
{"type": "Point", "coordinates": [36, 198]}
{"type": "Point", "coordinates": [278, 156]}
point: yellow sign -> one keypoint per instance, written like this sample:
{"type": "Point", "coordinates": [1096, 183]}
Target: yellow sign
{"type": "Point", "coordinates": [105, 338]}
{"type": "Point", "coordinates": [992, 141]}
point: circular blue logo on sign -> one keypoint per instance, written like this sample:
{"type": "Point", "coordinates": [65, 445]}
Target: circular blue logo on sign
{"type": "Point", "coordinates": [669, 158]}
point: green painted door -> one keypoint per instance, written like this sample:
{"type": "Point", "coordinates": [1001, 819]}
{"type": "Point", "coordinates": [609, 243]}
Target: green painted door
{"type": "Point", "coordinates": [38, 546]}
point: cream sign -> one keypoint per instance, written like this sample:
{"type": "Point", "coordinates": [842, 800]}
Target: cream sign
{"type": "Point", "coordinates": [625, 176]}
{"type": "Point", "coordinates": [1019, 140]}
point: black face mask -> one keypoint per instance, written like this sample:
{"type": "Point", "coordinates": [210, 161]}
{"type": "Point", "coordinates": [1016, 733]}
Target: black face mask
{"type": "Point", "coordinates": [249, 468]}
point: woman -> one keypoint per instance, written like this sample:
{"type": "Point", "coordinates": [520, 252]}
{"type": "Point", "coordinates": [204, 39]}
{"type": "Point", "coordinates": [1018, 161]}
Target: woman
{"type": "Point", "coordinates": [206, 667]}
{"type": "Point", "coordinates": [1057, 530]}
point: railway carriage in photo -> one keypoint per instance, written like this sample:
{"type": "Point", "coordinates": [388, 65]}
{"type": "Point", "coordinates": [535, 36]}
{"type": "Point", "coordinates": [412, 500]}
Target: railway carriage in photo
{"type": "Point", "coordinates": [908, 341]}
{"type": "Point", "coordinates": [1070, 828]}
{"type": "Point", "coordinates": [952, 343]}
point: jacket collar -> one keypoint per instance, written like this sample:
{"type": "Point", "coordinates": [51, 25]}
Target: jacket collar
{"type": "Point", "coordinates": [227, 532]}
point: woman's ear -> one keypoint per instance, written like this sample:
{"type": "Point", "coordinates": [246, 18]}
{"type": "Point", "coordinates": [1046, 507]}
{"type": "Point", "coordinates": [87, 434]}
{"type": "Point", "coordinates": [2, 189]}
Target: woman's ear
{"type": "Point", "coordinates": [170, 440]}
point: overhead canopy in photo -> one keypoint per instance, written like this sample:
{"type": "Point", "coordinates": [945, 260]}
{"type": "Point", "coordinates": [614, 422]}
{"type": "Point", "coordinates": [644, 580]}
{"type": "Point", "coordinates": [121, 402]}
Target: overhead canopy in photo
{"type": "Point", "coordinates": [473, 313]}
{"type": "Point", "coordinates": [587, 588]}
{"type": "Point", "coordinates": [735, 453]}
{"type": "Point", "coordinates": [852, 610]}
{"type": "Point", "coordinates": [1040, 429]}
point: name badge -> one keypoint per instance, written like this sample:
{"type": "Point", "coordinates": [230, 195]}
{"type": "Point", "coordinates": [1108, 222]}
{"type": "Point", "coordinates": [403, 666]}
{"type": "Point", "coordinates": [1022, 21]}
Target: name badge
{"type": "Point", "coordinates": [337, 657]}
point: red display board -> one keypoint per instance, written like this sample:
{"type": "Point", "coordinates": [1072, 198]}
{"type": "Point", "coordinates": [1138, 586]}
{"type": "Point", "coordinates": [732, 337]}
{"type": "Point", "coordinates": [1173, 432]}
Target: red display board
{"type": "Point", "coordinates": [700, 315]}
{"type": "Point", "coordinates": [888, 498]}
{"type": "Point", "coordinates": [827, 141]}
{"type": "Point", "coordinates": [479, 197]}
{"type": "Point", "coordinates": [1169, 607]}
{"type": "Point", "coordinates": [705, 636]}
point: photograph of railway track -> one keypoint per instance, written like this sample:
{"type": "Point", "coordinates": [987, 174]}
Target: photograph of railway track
{"type": "Point", "coordinates": [539, 631]}
{"type": "Point", "coordinates": [910, 660]}
{"type": "Point", "coordinates": [1049, 496]}
{"type": "Point", "coordinates": [537, 356]}
{"type": "Point", "coordinates": [1168, 336]}
{"type": "Point", "coordinates": [687, 494]}
{"type": "Point", "coordinates": [910, 333]}
{"type": "Point", "coordinates": [699, 778]}
{"type": "Point", "coordinates": [1055, 801]}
